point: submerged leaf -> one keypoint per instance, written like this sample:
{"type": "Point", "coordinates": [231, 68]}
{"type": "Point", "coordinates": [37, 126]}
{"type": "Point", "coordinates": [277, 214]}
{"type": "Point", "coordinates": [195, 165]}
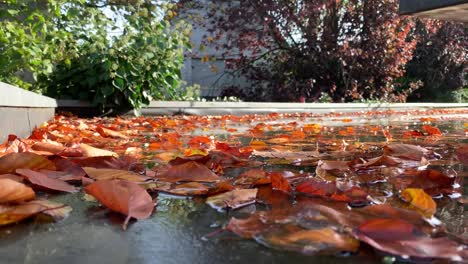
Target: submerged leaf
{"type": "Point", "coordinates": [233, 199]}
{"type": "Point", "coordinates": [307, 241]}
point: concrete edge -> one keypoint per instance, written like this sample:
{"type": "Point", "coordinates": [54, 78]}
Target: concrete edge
{"type": "Point", "coordinates": [240, 108]}
{"type": "Point", "coordinates": [408, 7]}
{"type": "Point", "coordinates": [11, 96]}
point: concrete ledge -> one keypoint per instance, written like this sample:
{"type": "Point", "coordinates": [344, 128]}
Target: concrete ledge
{"type": "Point", "coordinates": [241, 108]}
{"type": "Point", "coordinates": [455, 10]}
{"type": "Point", "coordinates": [12, 96]}
{"type": "Point", "coordinates": [21, 111]}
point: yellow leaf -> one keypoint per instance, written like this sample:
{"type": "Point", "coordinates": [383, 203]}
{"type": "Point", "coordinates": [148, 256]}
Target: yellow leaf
{"type": "Point", "coordinates": [419, 201]}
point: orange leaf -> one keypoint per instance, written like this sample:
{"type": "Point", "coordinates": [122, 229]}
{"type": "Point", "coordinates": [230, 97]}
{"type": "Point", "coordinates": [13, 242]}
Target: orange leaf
{"type": "Point", "coordinates": [278, 182]}
{"type": "Point", "coordinates": [432, 131]}
{"type": "Point", "coordinates": [12, 191]}
{"type": "Point", "coordinates": [89, 151]}
{"type": "Point", "coordinates": [12, 214]}
{"type": "Point", "coordinates": [105, 132]}
{"type": "Point", "coordinates": [25, 160]}
{"type": "Point", "coordinates": [419, 201]}
{"type": "Point", "coordinates": [124, 197]}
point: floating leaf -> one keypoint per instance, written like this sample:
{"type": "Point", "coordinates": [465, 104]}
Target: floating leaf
{"type": "Point", "coordinates": [462, 154]}
{"type": "Point", "coordinates": [233, 199]}
{"type": "Point", "coordinates": [253, 177]}
{"type": "Point", "coordinates": [189, 171]}
{"type": "Point", "coordinates": [14, 192]}
{"type": "Point", "coordinates": [406, 151]}
{"type": "Point", "coordinates": [278, 182]}
{"type": "Point", "coordinates": [42, 180]}
{"type": "Point", "coordinates": [12, 214]}
{"type": "Point", "coordinates": [432, 131]}
{"type": "Point", "coordinates": [419, 201]}
{"type": "Point", "coordinates": [105, 132]}
{"type": "Point", "coordinates": [124, 197]}
{"type": "Point", "coordinates": [112, 174]}
{"type": "Point", "coordinates": [24, 160]}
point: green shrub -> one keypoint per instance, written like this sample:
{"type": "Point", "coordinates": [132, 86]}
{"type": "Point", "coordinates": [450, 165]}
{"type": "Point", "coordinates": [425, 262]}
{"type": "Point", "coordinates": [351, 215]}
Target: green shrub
{"type": "Point", "coordinates": [77, 58]}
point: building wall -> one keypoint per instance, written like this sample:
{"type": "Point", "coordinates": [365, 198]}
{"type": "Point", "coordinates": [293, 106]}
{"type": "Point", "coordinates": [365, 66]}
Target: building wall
{"type": "Point", "coordinates": [212, 76]}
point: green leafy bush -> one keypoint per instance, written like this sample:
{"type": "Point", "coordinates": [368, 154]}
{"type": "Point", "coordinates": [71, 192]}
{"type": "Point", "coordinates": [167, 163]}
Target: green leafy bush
{"type": "Point", "coordinates": [78, 57]}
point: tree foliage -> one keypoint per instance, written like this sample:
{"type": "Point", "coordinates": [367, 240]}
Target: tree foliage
{"type": "Point", "coordinates": [112, 53]}
{"type": "Point", "coordinates": [346, 49]}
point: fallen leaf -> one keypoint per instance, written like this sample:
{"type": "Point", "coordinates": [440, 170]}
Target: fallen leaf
{"type": "Point", "coordinates": [24, 160]}
{"type": "Point", "coordinates": [246, 228]}
{"type": "Point", "coordinates": [42, 180]}
{"type": "Point", "coordinates": [105, 132]}
{"type": "Point", "coordinates": [233, 199]}
{"type": "Point", "coordinates": [401, 238]}
{"type": "Point", "coordinates": [125, 197]}
{"type": "Point", "coordinates": [189, 171]}
{"type": "Point", "coordinates": [89, 151]}
{"type": "Point", "coordinates": [189, 189]}
{"type": "Point", "coordinates": [307, 241]}
{"type": "Point", "coordinates": [112, 174]}
{"type": "Point", "coordinates": [462, 154]}
{"type": "Point", "coordinates": [432, 131]}
{"type": "Point", "coordinates": [11, 214]}
{"type": "Point", "coordinates": [14, 192]}
{"type": "Point", "coordinates": [278, 182]}
{"type": "Point", "coordinates": [420, 201]}
{"type": "Point", "coordinates": [406, 151]}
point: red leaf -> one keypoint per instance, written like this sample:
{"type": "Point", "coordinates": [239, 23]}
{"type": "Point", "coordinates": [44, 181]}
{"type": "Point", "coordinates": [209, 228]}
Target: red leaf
{"type": "Point", "coordinates": [42, 180]}
{"type": "Point", "coordinates": [124, 197]}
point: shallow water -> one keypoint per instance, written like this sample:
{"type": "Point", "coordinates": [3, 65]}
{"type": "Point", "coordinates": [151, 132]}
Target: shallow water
{"type": "Point", "coordinates": [181, 229]}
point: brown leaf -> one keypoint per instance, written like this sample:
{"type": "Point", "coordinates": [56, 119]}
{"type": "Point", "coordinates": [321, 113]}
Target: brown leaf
{"type": "Point", "coordinates": [57, 149]}
{"type": "Point", "coordinates": [189, 171]}
{"type": "Point", "coordinates": [406, 151]}
{"type": "Point", "coordinates": [462, 154]}
{"type": "Point", "coordinates": [111, 174]}
{"type": "Point", "coordinates": [253, 177]}
{"type": "Point", "coordinates": [14, 192]}
{"type": "Point", "coordinates": [125, 197]}
{"type": "Point", "coordinates": [233, 199]}
{"type": "Point", "coordinates": [24, 160]}
{"type": "Point", "coordinates": [42, 180]}
{"type": "Point", "coordinates": [246, 228]}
